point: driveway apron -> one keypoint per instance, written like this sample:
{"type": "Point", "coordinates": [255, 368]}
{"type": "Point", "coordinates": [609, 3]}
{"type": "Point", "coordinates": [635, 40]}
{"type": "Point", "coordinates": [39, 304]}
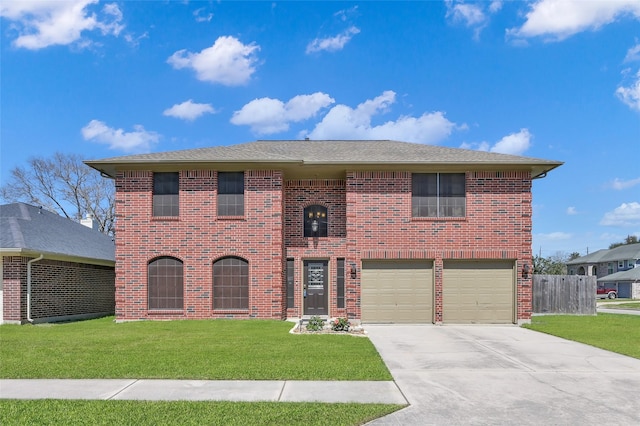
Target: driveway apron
{"type": "Point", "coordinates": [505, 375]}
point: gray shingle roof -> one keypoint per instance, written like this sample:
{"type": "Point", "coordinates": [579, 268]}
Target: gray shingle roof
{"type": "Point", "coordinates": [28, 228]}
{"type": "Point", "coordinates": [334, 152]}
{"type": "Point", "coordinates": [625, 252]}
{"type": "Point", "coordinates": [628, 275]}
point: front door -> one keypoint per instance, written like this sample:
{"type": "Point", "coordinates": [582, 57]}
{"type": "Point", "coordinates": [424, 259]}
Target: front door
{"type": "Point", "coordinates": [315, 287]}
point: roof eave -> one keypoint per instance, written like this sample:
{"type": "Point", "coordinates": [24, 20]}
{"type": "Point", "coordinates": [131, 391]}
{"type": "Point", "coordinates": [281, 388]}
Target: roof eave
{"type": "Point", "coordinates": [55, 256]}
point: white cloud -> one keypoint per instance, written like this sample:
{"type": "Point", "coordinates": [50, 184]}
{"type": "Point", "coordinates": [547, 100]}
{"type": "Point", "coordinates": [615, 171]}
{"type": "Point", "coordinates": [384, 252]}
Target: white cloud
{"type": "Point", "coordinates": [227, 61]}
{"type": "Point", "coordinates": [332, 44]}
{"type": "Point", "coordinates": [620, 184]}
{"type": "Point", "coordinates": [495, 6]}
{"type": "Point", "coordinates": [470, 14]}
{"type": "Point", "coordinates": [633, 54]}
{"type": "Point", "coordinates": [139, 140]}
{"type": "Point", "coordinates": [267, 115]}
{"type": "Point", "coordinates": [189, 110]}
{"type": "Point", "coordinates": [559, 19]}
{"type": "Point", "coordinates": [572, 211]}
{"type": "Point", "coordinates": [627, 214]}
{"type": "Point", "coordinates": [202, 16]}
{"type": "Point", "coordinates": [40, 24]}
{"type": "Point", "coordinates": [343, 122]}
{"type": "Point", "coordinates": [514, 144]}
{"type": "Point", "coordinates": [554, 236]}
{"type": "Point", "coordinates": [630, 95]}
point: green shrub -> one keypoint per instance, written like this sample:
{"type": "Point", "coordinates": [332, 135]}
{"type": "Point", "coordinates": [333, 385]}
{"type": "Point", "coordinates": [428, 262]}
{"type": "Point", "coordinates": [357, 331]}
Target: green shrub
{"type": "Point", "coordinates": [315, 323]}
{"type": "Point", "coordinates": [340, 324]}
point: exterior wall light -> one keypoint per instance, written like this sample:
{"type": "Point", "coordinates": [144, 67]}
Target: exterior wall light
{"type": "Point", "coordinates": [525, 271]}
{"type": "Point", "coordinates": [354, 270]}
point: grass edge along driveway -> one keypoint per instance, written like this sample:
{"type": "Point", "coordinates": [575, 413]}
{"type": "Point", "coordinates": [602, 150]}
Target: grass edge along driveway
{"type": "Point", "coordinates": [613, 332]}
{"type": "Point", "coordinates": [193, 349]}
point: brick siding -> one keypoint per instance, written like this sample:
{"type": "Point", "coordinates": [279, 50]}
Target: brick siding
{"type": "Point", "coordinates": [58, 289]}
{"type": "Point", "coordinates": [369, 217]}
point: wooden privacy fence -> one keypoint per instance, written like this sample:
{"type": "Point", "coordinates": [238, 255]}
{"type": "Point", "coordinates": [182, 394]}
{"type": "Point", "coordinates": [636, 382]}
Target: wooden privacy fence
{"type": "Point", "coordinates": [564, 294]}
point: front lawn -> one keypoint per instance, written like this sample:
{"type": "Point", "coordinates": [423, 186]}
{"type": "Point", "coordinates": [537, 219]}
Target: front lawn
{"type": "Point", "coordinates": [64, 412]}
{"type": "Point", "coordinates": [613, 332]}
{"type": "Point", "coordinates": [207, 349]}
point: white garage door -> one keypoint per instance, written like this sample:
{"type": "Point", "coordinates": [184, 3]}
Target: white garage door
{"type": "Point", "coordinates": [479, 292]}
{"type": "Point", "coordinates": [398, 291]}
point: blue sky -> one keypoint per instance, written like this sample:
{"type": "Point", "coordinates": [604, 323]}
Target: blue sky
{"type": "Point", "coordinates": [552, 79]}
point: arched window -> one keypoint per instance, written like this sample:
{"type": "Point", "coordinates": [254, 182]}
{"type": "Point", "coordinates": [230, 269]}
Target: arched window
{"type": "Point", "coordinates": [231, 283]}
{"type": "Point", "coordinates": [165, 283]}
{"type": "Point", "coordinates": [581, 270]}
{"type": "Point", "coordinates": [315, 221]}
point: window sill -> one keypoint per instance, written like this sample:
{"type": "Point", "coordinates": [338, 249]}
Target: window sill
{"type": "Point", "coordinates": [230, 218]}
{"type": "Point", "coordinates": [165, 218]}
{"type": "Point", "coordinates": [438, 219]}
{"type": "Point", "coordinates": [160, 312]}
{"type": "Point", "coordinates": [231, 311]}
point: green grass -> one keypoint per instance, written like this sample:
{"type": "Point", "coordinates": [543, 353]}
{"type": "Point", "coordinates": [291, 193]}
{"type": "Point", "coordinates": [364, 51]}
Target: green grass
{"type": "Point", "coordinates": [624, 305]}
{"type": "Point", "coordinates": [613, 332]}
{"type": "Point", "coordinates": [66, 412]}
{"type": "Point", "coordinates": [207, 349]}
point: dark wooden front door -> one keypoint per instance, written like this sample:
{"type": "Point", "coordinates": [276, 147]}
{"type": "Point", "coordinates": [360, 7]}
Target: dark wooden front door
{"type": "Point", "coordinates": [315, 287]}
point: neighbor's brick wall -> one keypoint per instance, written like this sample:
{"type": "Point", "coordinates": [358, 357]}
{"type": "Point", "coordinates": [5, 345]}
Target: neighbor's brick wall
{"type": "Point", "coordinates": [61, 289]}
{"type": "Point", "coordinates": [497, 226]}
{"type": "Point", "coordinates": [58, 289]}
{"type": "Point", "coordinates": [198, 237]}
{"type": "Point", "coordinates": [14, 281]}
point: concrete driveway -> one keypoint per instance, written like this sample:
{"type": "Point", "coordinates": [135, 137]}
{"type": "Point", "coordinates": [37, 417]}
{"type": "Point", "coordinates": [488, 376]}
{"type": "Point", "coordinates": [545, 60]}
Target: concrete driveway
{"type": "Point", "coordinates": [505, 375]}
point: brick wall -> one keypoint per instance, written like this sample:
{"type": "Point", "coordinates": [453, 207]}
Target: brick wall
{"type": "Point", "coordinates": [298, 195]}
{"type": "Point", "coordinates": [369, 217]}
{"type": "Point", "coordinates": [497, 226]}
{"type": "Point", "coordinates": [14, 281]}
{"type": "Point", "coordinates": [58, 289]}
{"type": "Point", "coordinates": [198, 237]}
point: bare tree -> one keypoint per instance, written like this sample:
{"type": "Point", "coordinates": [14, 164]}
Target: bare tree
{"type": "Point", "coordinates": [65, 185]}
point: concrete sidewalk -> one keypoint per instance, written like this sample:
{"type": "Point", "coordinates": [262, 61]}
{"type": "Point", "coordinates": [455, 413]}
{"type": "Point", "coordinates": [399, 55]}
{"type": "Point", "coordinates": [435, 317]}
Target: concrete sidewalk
{"type": "Point", "coordinates": [205, 390]}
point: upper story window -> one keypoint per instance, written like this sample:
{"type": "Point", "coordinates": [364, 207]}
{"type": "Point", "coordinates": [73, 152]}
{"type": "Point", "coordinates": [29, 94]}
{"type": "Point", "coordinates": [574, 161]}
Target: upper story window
{"type": "Point", "coordinates": [609, 268]}
{"type": "Point", "coordinates": [438, 195]}
{"type": "Point", "coordinates": [165, 283]}
{"type": "Point", "coordinates": [315, 221]}
{"type": "Point", "coordinates": [230, 194]}
{"type": "Point", "coordinates": [166, 194]}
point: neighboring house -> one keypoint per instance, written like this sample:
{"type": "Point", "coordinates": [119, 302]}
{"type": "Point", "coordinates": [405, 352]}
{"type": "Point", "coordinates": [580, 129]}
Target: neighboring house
{"type": "Point", "coordinates": [607, 262]}
{"type": "Point", "coordinates": [52, 268]}
{"type": "Point", "coordinates": [628, 282]}
{"type": "Point", "coordinates": [377, 231]}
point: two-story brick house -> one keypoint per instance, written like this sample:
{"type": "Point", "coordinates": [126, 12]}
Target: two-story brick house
{"type": "Point", "coordinates": [379, 231]}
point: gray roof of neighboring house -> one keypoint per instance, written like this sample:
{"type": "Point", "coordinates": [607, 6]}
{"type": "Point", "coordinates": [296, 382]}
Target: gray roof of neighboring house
{"type": "Point", "coordinates": [628, 275]}
{"type": "Point", "coordinates": [295, 153]}
{"type": "Point", "coordinates": [624, 252]}
{"type": "Point", "coordinates": [27, 228]}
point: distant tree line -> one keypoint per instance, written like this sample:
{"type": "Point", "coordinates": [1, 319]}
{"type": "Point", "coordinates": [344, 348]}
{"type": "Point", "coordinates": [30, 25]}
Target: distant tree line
{"type": "Point", "coordinates": [631, 239]}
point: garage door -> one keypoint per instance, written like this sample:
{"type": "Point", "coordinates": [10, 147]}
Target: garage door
{"type": "Point", "coordinates": [478, 292]}
{"type": "Point", "coordinates": [397, 291]}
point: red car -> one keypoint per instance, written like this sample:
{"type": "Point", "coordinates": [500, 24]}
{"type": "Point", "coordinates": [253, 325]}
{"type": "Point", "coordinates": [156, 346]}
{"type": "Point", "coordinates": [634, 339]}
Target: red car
{"type": "Point", "coordinates": [603, 292]}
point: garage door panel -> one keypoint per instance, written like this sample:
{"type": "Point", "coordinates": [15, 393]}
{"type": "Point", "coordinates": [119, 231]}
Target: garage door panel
{"type": "Point", "coordinates": [478, 292]}
{"type": "Point", "coordinates": [397, 291]}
